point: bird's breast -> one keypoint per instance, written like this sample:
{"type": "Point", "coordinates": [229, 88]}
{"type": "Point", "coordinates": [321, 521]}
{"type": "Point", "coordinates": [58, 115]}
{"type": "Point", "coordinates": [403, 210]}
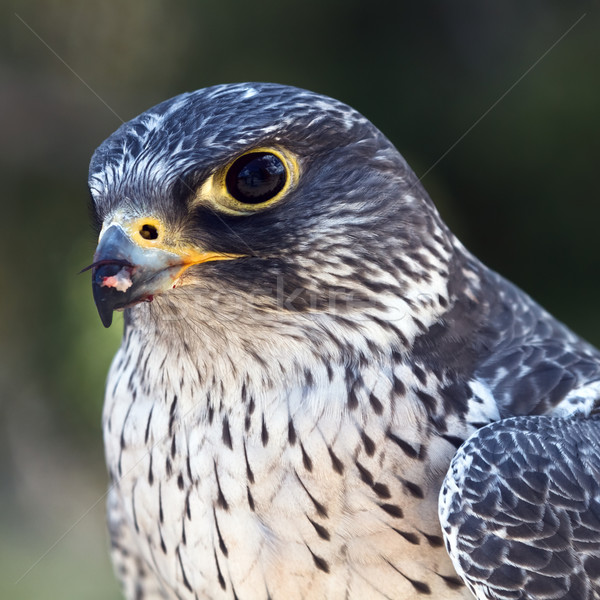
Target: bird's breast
{"type": "Point", "coordinates": [291, 498]}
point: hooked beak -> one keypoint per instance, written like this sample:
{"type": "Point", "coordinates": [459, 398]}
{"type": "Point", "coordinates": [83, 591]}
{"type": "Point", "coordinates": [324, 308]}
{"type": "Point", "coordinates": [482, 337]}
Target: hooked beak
{"type": "Point", "coordinates": [125, 273]}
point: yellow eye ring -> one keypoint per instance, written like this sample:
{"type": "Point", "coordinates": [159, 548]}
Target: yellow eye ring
{"type": "Point", "coordinates": [251, 182]}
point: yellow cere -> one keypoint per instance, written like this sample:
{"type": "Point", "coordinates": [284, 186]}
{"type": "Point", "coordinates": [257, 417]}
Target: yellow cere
{"type": "Point", "coordinates": [149, 232]}
{"type": "Point", "coordinates": [146, 232]}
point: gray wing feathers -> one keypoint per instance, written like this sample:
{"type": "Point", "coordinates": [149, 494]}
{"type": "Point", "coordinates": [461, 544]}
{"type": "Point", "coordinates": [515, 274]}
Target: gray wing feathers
{"type": "Point", "coordinates": [533, 360]}
{"type": "Point", "coordinates": [520, 509]}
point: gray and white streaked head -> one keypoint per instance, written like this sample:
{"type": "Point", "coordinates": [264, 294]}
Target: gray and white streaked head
{"type": "Point", "coordinates": [272, 198]}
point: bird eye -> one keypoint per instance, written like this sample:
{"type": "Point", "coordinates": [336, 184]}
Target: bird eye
{"type": "Point", "coordinates": [256, 177]}
{"type": "Point", "coordinates": [250, 183]}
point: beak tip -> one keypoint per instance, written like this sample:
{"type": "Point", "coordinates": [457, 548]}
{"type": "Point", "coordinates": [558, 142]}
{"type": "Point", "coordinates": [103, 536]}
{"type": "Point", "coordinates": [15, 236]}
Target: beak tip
{"type": "Point", "coordinates": [104, 306]}
{"type": "Point", "coordinates": [106, 318]}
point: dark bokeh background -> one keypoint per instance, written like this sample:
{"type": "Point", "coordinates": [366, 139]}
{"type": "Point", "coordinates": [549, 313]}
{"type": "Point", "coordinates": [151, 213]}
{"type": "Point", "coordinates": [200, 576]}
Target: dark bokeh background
{"type": "Point", "coordinates": [495, 104]}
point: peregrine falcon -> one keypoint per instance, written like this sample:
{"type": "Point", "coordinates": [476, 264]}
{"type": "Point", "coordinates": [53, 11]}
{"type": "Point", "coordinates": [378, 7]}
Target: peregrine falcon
{"type": "Point", "coordinates": [320, 393]}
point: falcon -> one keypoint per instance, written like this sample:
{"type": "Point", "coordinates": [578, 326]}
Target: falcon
{"type": "Point", "coordinates": [320, 393]}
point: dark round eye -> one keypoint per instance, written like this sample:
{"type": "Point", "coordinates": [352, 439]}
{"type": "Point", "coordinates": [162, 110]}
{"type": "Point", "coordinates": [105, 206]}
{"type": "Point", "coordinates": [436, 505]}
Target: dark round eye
{"type": "Point", "coordinates": [256, 177]}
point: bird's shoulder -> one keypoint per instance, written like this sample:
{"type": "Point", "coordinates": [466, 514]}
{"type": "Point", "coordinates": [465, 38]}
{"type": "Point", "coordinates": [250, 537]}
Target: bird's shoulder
{"type": "Point", "coordinates": [531, 362]}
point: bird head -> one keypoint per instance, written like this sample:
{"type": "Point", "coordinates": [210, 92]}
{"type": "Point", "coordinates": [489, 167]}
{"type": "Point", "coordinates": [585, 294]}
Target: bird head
{"type": "Point", "coordinates": [266, 199]}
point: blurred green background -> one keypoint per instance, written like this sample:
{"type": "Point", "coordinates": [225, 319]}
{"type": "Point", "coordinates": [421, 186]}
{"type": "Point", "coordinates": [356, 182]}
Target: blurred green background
{"type": "Point", "coordinates": [496, 104]}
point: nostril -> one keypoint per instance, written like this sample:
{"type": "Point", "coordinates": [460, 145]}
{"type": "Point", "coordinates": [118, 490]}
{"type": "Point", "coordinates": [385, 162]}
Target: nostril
{"type": "Point", "coordinates": [148, 232]}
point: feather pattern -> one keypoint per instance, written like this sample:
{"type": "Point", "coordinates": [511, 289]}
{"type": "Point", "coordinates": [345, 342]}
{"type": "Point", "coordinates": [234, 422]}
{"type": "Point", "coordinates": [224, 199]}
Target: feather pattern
{"type": "Point", "coordinates": [280, 425]}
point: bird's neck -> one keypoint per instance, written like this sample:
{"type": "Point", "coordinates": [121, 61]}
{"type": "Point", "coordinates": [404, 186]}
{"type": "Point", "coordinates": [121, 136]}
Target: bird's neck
{"type": "Point", "coordinates": [219, 354]}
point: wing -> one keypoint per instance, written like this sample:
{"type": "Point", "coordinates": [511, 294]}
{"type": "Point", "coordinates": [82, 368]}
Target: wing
{"type": "Point", "coordinates": [534, 364]}
{"type": "Point", "coordinates": [520, 509]}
